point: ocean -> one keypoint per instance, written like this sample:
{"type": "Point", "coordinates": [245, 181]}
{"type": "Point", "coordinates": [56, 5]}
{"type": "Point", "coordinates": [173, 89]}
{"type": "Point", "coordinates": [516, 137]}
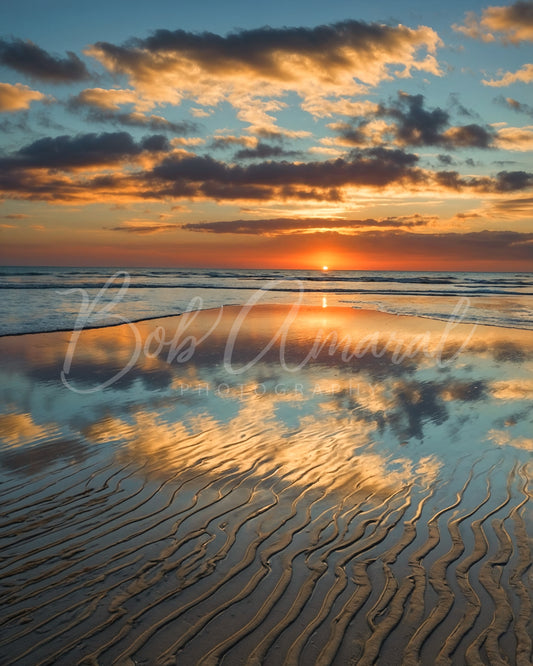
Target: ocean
{"type": "Point", "coordinates": [39, 299]}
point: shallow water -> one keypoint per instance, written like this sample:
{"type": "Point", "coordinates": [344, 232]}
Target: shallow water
{"type": "Point", "coordinates": [264, 496]}
{"type": "Point", "coordinates": [36, 299]}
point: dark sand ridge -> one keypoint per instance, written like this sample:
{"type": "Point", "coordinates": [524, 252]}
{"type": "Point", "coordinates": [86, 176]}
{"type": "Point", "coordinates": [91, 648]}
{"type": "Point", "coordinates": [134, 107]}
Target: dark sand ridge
{"type": "Point", "coordinates": [366, 508]}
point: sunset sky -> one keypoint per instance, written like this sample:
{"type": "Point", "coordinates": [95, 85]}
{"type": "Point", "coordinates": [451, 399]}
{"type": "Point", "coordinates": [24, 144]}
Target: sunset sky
{"type": "Point", "coordinates": [376, 135]}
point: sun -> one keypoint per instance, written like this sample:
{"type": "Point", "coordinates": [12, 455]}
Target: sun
{"type": "Point", "coordinates": [325, 268]}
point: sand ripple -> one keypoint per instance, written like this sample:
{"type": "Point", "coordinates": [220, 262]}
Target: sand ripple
{"type": "Point", "coordinates": [116, 564]}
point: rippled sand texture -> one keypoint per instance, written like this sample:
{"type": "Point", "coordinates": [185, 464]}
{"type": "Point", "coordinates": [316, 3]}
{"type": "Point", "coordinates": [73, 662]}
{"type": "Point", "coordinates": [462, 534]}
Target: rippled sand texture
{"type": "Point", "coordinates": [357, 510]}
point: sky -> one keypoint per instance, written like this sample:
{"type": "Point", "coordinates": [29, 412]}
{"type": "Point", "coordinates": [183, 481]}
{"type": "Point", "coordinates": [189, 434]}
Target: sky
{"type": "Point", "coordinates": [366, 136]}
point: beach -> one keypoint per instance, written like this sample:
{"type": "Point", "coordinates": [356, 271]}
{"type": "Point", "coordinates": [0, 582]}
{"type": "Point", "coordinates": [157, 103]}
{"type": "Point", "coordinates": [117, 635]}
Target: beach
{"type": "Point", "coordinates": [268, 484]}
{"type": "Point", "coordinates": [266, 333]}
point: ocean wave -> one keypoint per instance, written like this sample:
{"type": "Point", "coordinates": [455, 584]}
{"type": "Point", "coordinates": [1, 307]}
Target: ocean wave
{"type": "Point", "coordinates": [18, 276]}
{"type": "Point", "coordinates": [36, 299]}
{"type": "Point", "coordinates": [299, 287]}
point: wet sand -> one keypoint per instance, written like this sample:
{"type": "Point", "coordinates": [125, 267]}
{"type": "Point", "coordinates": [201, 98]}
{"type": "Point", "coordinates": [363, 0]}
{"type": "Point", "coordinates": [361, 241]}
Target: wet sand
{"type": "Point", "coordinates": [311, 486]}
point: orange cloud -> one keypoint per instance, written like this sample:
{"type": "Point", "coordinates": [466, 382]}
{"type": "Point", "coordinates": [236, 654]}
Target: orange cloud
{"type": "Point", "coordinates": [101, 105]}
{"type": "Point", "coordinates": [201, 113]}
{"type": "Point", "coordinates": [509, 24]}
{"type": "Point", "coordinates": [111, 100]}
{"type": "Point", "coordinates": [515, 138]}
{"type": "Point", "coordinates": [524, 74]}
{"type": "Point", "coordinates": [17, 97]}
{"type": "Point", "coordinates": [282, 226]}
{"type": "Point", "coordinates": [88, 167]}
{"type": "Point", "coordinates": [187, 141]}
{"type": "Point", "coordinates": [321, 106]}
{"type": "Point", "coordinates": [247, 67]}
{"type": "Point", "coordinates": [513, 208]}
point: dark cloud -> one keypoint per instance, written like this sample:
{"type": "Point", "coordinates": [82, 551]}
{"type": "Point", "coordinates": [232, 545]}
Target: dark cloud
{"type": "Point", "coordinates": [264, 151]}
{"type": "Point", "coordinates": [176, 175]}
{"type": "Point", "coordinates": [485, 244]}
{"type": "Point", "coordinates": [445, 159]}
{"type": "Point", "coordinates": [454, 181]}
{"type": "Point", "coordinates": [520, 12]}
{"type": "Point", "coordinates": [474, 249]}
{"type": "Point", "coordinates": [262, 50]}
{"type": "Point", "coordinates": [459, 107]}
{"type": "Point", "coordinates": [28, 58]}
{"type": "Point", "coordinates": [156, 143]}
{"type": "Point", "coordinates": [83, 150]}
{"type": "Point", "coordinates": [386, 156]}
{"type": "Point", "coordinates": [514, 104]}
{"type": "Point", "coordinates": [418, 126]}
{"type": "Point", "coordinates": [278, 226]}
{"type": "Point", "coordinates": [468, 136]}
{"type": "Point", "coordinates": [505, 181]}
{"type": "Point", "coordinates": [269, 134]}
{"type": "Point", "coordinates": [43, 119]}
{"type": "Point", "coordinates": [19, 122]}
{"type": "Point", "coordinates": [352, 134]}
{"type": "Point", "coordinates": [223, 142]}
{"type": "Point", "coordinates": [520, 206]}
{"type": "Point", "coordinates": [467, 216]}
{"type": "Point", "coordinates": [129, 119]}
{"type": "Point", "coordinates": [144, 229]}
{"type": "Point", "coordinates": [376, 167]}
{"type": "Point", "coordinates": [511, 181]}
{"type": "Point", "coordinates": [414, 125]}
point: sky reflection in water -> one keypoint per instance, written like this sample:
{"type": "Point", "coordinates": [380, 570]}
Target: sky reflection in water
{"type": "Point", "coordinates": [329, 514]}
{"type": "Point", "coordinates": [403, 410]}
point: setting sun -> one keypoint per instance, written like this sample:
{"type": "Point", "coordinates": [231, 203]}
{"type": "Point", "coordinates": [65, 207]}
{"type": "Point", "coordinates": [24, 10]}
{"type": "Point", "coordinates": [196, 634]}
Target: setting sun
{"type": "Point", "coordinates": [325, 268]}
